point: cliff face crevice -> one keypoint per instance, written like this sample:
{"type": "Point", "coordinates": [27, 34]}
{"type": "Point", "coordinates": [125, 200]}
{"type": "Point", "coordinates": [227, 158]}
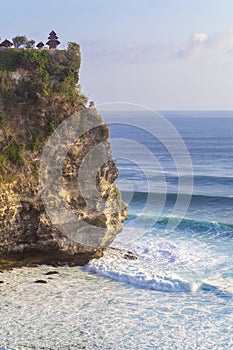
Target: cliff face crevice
{"type": "Point", "coordinates": [38, 91]}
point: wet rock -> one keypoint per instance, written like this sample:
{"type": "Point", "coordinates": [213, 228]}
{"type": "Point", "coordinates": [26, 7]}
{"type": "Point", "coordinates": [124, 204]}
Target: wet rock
{"type": "Point", "coordinates": [129, 256]}
{"type": "Point", "coordinates": [41, 281]}
{"type": "Point", "coordinates": [49, 273]}
{"type": "Point", "coordinates": [121, 253]}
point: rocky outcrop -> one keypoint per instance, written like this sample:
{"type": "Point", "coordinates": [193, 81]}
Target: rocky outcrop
{"type": "Point", "coordinates": [29, 234]}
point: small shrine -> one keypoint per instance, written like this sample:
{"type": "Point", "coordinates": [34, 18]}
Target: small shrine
{"type": "Point", "coordinates": [40, 45]}
{"type": "Point", "coordinates": [6, 44]}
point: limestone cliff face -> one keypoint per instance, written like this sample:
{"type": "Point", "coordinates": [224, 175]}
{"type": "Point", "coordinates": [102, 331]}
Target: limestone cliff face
{"type": "Point", "coordinates": [38, 92]}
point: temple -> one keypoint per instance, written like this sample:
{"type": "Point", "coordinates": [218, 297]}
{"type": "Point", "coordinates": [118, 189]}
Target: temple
{"type": "Point", "coordinates": [53, 41]}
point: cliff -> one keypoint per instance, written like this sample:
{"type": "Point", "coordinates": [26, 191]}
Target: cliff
{"type": "Point", "coordinates": [39, 91]}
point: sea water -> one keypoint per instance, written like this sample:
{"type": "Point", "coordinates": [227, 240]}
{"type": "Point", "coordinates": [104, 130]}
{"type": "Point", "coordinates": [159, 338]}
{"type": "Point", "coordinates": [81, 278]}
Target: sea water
{"type": "Point", "coordinates": [178, 293]}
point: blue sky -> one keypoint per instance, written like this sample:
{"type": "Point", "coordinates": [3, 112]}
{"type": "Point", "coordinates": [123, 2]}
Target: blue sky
{"type": "Point", "coordinates": [164, 54]}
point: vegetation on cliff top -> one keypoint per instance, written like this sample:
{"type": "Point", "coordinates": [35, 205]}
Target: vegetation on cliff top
{"type": "Point", "coordinates": [38, 88]}
{"type": "Point", "coordinates": [53, 72]}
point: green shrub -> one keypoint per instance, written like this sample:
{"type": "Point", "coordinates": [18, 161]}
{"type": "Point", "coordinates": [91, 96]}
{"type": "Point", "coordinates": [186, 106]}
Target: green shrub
{"type": "Point", "coordinates": [50, 128]}
{"type": "Point", "coordinates": [8, 180]}
{"type": "Point", "coordinates": [36, 144]}
{"type": "Point", "coordinates": [4, 121]}
{"type": "Point", "coordinates": [15, 152]}
{"type": "Point", "coordinates": [3, 161]}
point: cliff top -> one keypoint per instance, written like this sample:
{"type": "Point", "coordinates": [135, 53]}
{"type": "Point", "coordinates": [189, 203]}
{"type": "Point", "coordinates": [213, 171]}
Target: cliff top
{"type": "Point", "coordinates": [38, 89]}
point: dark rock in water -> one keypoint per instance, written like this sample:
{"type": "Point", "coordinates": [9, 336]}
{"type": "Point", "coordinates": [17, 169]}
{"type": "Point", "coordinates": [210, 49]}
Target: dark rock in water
{"type": "Point", "coordinates": [51, 273]}
{"type": "Point", "coordinates": [130, 256]}
{"type": "Point", "coordinates": [41, 281]}
{"type": "Point", "coordinates": [121, 253]}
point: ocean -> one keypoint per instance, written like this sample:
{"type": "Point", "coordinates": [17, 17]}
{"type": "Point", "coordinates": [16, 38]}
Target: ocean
{"type": "Point", "coordinates": [175, 174]}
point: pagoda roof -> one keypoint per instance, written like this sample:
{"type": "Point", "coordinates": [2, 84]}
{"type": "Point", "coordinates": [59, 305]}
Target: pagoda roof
{"type": "Point", "coordinates": [40, 44]}
{"type": "Point", "coordinates": [53, 42]}
{"type": "Point", "coordinates": [6, 43]}
{"type": "Point", "coordinates": [53, 35]}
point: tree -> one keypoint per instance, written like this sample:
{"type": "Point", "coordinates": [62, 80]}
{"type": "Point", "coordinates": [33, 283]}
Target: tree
{"type": "Point", "coordinates": [30, 44]}
{"type": "Point", "coordinates": [73, 46]}
{"type": "Point", "coordinates": [19, 40]}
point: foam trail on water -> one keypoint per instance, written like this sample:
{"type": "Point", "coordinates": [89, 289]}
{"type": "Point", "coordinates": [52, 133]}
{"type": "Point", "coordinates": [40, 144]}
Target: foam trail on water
{"type": "Point", "coordinates": [113, 266]}
{"type": "Point", "coordinates": [168, 264]}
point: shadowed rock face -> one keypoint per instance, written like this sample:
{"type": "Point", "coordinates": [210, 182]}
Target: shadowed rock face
{"type": "Point", "coordinates": [29, 234]}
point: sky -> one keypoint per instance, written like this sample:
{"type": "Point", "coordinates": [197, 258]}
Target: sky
{"type": "Point", "coordinates": [162, 54]}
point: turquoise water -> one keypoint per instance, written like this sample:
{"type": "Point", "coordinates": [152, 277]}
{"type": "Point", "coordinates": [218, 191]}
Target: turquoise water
{"type": "Point", "coordinates": [178, 294]}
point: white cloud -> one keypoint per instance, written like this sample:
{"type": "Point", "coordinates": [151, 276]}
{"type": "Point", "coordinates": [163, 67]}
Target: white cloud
{"type": "Point", "coordinates": [202, 45]}
{"type": "Point", "coordinates": [199, 37]}
{"type": "Point", "coordinates": [216, 46]}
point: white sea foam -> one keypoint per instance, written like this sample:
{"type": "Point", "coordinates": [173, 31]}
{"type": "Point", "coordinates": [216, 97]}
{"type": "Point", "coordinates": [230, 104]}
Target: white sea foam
{"type": "Point", "coordinates": [163, 264]}
{"type": "Point", "coordinates": [109, 268]}
{"type": "Point", "coordinates": [151, 270]}
{"type": "Point", "coordinates": [77, 310]}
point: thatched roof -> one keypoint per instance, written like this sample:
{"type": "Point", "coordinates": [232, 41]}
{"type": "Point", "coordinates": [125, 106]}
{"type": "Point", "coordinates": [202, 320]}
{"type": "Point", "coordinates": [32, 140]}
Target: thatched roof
{"type": "Point", "coordinates": [53, 35]}
{"type": "Point", "coordinates": [53, 42]}
{"type": "Point", "coordinates": [6, 43]}
{"type": "Point", "coordinates": [40, 45]}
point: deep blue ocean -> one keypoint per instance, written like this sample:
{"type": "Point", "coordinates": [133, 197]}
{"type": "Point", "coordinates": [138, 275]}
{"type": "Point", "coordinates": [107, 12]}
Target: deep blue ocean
{"type": "Point", "coordinates": [176, 175]}
{"type": "Point", "coordinates": [180, 215]}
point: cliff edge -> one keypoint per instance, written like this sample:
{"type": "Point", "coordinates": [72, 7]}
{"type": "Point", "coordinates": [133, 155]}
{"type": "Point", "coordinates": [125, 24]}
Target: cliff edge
{"type": "Point", "coordinates": [39, 91]}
